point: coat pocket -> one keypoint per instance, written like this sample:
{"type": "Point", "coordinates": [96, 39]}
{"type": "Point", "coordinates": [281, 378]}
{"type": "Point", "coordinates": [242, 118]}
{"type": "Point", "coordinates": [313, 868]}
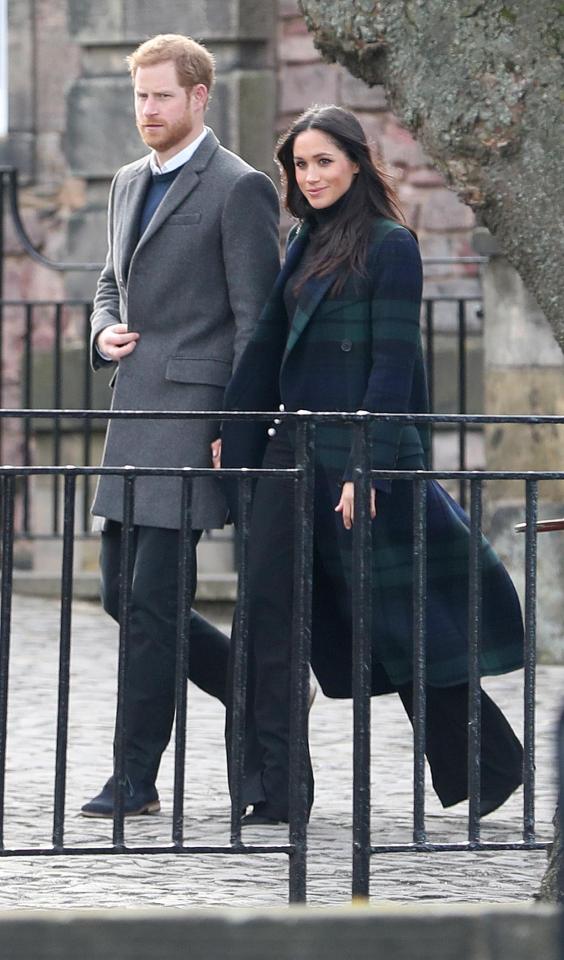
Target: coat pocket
{"type": "Point", "coordinates": [181, 219]}
{"type": "Point", "coordinates": [198, 370]}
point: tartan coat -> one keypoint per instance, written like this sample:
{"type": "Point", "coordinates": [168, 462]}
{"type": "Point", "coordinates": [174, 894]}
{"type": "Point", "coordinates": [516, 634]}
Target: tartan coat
{"type": "Point", "coordinates": [361, 349]}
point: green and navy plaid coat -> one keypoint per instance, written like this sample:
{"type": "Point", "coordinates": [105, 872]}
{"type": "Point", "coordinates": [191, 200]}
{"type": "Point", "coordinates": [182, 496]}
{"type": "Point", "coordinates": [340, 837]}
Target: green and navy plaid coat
{"type": "Point", "coordinates": [358, 350]}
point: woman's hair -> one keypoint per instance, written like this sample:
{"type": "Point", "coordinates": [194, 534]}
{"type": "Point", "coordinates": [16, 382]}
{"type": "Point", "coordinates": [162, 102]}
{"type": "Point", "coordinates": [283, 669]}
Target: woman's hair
{"type": "Point", "coordinates": [342, 242]}
{"type": "Point", "coordinates": [194, 64]}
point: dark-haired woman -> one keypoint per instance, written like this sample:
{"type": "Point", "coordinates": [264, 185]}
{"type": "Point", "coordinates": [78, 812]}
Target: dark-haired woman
{"type": "Point", "coordinates": [340, 332]}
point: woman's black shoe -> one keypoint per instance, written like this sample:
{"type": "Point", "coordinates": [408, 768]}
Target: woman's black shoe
{"type": "Point", "coordinates": [258, 817]}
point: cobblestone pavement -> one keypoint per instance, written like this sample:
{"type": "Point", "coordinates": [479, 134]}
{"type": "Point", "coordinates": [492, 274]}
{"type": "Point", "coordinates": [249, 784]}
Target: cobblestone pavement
{"type": "Point", "coordinates": [111, 881]}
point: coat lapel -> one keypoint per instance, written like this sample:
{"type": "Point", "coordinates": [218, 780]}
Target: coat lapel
{"type": "Point", "coordinates": [309, 298]}
{"type": "Point", "coordinates": [133, 204]}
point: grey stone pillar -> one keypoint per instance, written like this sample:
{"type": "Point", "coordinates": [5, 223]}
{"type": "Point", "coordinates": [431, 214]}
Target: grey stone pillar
{"type": "Point", "coordinates": [101, 133]}
{"type": "Point", "coordinates": [524, 375]}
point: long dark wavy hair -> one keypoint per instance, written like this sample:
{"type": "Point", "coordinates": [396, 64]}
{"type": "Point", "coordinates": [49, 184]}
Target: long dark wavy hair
{"type": "Point", "coordinates": [342, 243]}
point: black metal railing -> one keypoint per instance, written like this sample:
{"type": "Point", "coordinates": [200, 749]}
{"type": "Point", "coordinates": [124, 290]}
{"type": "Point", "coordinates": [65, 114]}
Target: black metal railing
{"type": "Point", "coordinates": [46, 345]}
{"type": "Point", "coordinates": [302, 476]}
{"type": "Point", "coordinates": [560, 814]}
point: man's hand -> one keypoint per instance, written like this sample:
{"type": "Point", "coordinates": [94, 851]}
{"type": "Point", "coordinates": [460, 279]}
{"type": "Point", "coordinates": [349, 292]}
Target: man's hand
{"type": "Point", "coordinates": [216, 453]}
{"type": "Point", "coordinates": [346, 504]}
{"type": "Point", "coordinates": [116, 341]}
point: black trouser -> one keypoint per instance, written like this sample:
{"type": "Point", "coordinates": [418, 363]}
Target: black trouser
{"type": "Point", "coordinates": [150, 686]}
{"type": "Point", "coordinates": [271, 565]}
{"type": "Point", "coordinates": [446, 744]}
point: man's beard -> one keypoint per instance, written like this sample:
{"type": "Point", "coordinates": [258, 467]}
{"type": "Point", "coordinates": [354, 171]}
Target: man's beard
{"type": "Point", "coordinates": [167, 136]}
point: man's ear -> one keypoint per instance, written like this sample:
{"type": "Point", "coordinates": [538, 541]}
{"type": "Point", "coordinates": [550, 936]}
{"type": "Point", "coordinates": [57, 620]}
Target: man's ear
{"type": "Point", "coordinates": [199, 95]}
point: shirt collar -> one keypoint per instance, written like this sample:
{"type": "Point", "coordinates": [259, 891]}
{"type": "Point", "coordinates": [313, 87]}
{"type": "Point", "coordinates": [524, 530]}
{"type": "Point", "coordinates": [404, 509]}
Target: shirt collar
{"type": "Point", "coordinates": [180, 158]}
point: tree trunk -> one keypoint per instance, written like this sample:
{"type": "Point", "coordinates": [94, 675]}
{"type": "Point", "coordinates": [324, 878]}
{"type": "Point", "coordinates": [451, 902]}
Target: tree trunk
{"type": "Point", "coordinates": [480, 85]}
{"type": "Point", "coordinates": [549, 888]}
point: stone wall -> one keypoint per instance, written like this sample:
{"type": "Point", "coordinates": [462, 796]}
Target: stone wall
{"type": "Point", "coordinates": [443, 223]}
{"type": "Point", "coordinates": [396, 932]}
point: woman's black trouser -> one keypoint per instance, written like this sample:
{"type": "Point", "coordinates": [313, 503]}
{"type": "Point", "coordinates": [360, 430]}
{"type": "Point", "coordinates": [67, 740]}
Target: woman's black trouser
{"type": "Point", "coordinates": [271, 573]}
{"type": "Point", "coordinates": [446, 747]}
{"type": "Point", "coordinates": [271, 568]}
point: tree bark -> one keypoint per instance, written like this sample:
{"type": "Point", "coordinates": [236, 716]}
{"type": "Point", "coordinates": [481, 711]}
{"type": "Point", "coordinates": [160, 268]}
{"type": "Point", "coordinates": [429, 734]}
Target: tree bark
{"type": "Point", "coordinates": [550, 883]}
{"type": "Point", "coordinates": [480, 83]}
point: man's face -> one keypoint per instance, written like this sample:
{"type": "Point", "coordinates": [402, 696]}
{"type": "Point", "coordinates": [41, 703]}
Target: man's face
{"type": "Point", "coordinates": [168, 116]}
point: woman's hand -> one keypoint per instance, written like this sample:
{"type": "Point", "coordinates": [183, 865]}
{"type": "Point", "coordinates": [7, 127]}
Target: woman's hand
{"type": "Point", "coordinates": [346, 504]}
{"type": "Point", "coordinates": [216, 453]}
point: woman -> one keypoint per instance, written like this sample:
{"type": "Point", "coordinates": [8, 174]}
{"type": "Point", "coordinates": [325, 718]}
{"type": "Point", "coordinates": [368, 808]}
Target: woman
{"type": "Point", "coordinates": [341, 332]}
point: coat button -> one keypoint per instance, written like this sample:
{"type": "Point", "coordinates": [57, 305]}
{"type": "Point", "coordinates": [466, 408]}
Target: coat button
{"type": "Point", "coordinates": [271, 432]}
{"type": "Point", "coordinates": [346, 346]}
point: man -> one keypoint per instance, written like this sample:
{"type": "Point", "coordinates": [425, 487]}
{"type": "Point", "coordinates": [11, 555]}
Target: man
{"type": "Point", "coordinates": [193, 253]}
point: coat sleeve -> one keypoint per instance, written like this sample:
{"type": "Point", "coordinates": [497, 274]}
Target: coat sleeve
{"type": "Point", "coordinates": [396, 343]}
{"type": "Point", "coordinates": [106, 301]}
{"type": "Point", "coordinates": [249, 232]}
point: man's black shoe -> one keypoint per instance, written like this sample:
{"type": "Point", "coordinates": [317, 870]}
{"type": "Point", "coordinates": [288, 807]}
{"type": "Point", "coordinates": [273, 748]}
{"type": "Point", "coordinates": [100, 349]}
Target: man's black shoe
{"type": "Point", "coordinates": [136, 801]}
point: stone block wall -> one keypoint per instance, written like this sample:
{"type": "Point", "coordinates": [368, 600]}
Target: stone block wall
{"type": "Point", "coordinates": [443, 223]}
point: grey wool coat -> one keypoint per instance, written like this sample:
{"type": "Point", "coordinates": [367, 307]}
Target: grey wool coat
{"type": "Point", "coordinates": [193, 287]}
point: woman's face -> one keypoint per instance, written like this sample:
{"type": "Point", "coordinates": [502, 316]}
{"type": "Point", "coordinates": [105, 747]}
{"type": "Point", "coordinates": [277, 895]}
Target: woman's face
{"type": "Point", "coordinates": [323, 171]}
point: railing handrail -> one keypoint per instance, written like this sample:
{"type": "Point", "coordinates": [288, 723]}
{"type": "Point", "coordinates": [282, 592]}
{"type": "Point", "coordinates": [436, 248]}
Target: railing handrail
{"type": "Point", "coordinates": [70, 470]}
{"type": "Point", "coordinates": [359, 416]}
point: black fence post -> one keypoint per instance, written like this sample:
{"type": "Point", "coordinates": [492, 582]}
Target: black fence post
{"type": "Point", "coordinates": [530, 657]}
{"type": "Point", "coordinates": [2, 240]}
{"type": "Point", "coordinates": [125, 582]}
{"type": "Point", "coordinates": [560, 814]}
{"type": "Point", "coordinates": [474, 646]}
{"type": "Point", "coordinates": [419, 656]}
{"type": "Point", "coordinates": [299, 672]}
{"type": "Point", "coordinates": [240, 643]}
{"type": "Point", "coordinates": [362, 661]}
{"type": "Point", "coordinates": [8, 494]}
{"type": "Point", "coordinates": [184, 605]}
{"type": "Point", "coordinates": [64, 662]}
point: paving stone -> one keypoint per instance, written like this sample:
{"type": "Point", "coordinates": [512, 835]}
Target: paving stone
{"type": "Point", "coordinates": [235, 880]}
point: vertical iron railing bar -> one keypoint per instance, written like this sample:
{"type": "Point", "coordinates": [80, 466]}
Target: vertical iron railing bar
{"type": "Point", "coordinates": [64, 661]}
{"type": "Point", "coordinates": [430, 359]}
{"type": "Point", "coordinates": [462, 394]}
{"type": "Point", "coordinates": [125, 580]}
{"type": "Point", "coordinates": [8, 487]}
{"type": "Point", "coordinates": [361, 660]}
{"type": "Point", "coordinates": [28, 403]}
{"type": "Point", "coordinates": [2, 260]}
{"type": "Point", "coordinates": [2, 403]}
{"type": "Point", "coordinates": [560, 815]}
{"type": "Point", "coordinates": [474, 646]}
{"type": "Point", "coordinates": [240, 643]}
{"type": "Point", "coordinates": [87, 426]}
{"type": "Point", "coordinates": [531, 488]}
{"type": "Point", "coordinates": [419, 656]}
{"type": "Point", "coordinates": [2, 252]}
{"type": "Point", "coordinates": [57, 402]}
{"type": "Point", "coordinates": [300, 657]}
{"type": "Point", "coordinates": [184, 604]}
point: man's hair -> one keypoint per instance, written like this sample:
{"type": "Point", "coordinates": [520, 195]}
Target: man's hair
{"type": "Point", "coordinates": [194, 64]}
